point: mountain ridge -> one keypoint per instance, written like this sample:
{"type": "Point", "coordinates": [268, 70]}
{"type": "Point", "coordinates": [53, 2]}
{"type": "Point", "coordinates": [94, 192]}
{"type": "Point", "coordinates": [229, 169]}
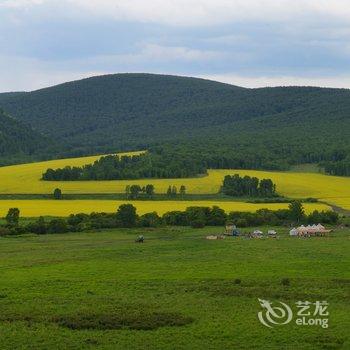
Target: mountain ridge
{"type": "Point", "coordinates": [136, 111]}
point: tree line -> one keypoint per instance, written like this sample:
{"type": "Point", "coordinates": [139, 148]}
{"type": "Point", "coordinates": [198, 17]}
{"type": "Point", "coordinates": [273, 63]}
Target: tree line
{"type": "Point", "coordinates": [238, 186]}
{"type": "Point", "coordinates": [148, 191]}
{"type": "Point", "coordinates": [340, 168]}
{"type": "Point", "coordinates": [114, 167]}
{"type": "Point", "coordinates": [195, 216]}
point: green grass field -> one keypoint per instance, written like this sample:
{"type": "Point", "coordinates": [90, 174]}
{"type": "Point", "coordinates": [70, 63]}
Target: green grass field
{"type": "Point", "coordinates": [176, 291]}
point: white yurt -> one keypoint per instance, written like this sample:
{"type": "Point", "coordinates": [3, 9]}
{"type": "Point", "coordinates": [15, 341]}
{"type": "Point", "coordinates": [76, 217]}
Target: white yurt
{"type": "Point", "coordinates": [320, 227]}
{"type": "Point", "coordinates": [302, 229]}
{"type": "Point", "coordinates": [293, 232]}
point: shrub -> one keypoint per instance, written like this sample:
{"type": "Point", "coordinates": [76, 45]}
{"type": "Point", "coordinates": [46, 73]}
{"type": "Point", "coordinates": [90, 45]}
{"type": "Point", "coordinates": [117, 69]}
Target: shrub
{"type": "Point", "coordinates": [12, 216]}
{"type": "Point", "coordinates": [197, 223]}
{"type": "Point", "coordinates": [175, 218]}
{"type": "Point", "coordinates": [217, 217]}
{"type": "Point", "coordinates": [77, 219]}
{"type": "Point", "coordinates": [4, 231]}
{"type": "Point", "coordinates": [150, 220]}
{"type": "Point", "coordinates": [198, 216]}
{"type": "Point", "coordinates": [57, 226]}
{"type": "Point", "coordinates": [39, 227]}
{"type": "Point", "coordinates": [57, 194]}
{"type": "Point", "coordinates": [126, 215]}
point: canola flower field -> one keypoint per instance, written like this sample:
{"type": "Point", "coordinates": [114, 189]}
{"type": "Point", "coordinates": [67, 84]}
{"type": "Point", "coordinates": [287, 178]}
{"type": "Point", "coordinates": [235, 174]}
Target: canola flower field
{"type": "Point", "coordinates": [38, 207]}
{"type": "Point", "coordinates": [25, 179]}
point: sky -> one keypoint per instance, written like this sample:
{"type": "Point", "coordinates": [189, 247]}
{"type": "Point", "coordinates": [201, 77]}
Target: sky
{"type": "Point", "coordinates": [251, 43]}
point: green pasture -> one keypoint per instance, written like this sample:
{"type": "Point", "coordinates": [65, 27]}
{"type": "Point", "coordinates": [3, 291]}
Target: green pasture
{"type": "Point", "coordinates": [100, 290]}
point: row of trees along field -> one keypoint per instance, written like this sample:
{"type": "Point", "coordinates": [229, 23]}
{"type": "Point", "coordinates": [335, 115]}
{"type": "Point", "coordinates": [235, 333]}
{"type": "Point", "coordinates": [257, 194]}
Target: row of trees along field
{"type": "Point", "coordinates": [197, 217]}
{"type": "Point", "coordinates": [178, 162]}
{"type": "Point", "coordinates": [146, 165]}
{"type": "Point", "coordinates": [238, 186]}
{"type": "Point", "coordinates": [341, 168]}
{"type": "Point", "coordinates": [135, 191]}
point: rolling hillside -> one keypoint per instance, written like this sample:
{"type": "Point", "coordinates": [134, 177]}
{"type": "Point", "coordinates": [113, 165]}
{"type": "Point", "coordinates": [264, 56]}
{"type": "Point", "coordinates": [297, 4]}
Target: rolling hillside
{"type": "Point", "coordinates": [225, 125]}
{"type": "Point", "coordinates": [17, 140]}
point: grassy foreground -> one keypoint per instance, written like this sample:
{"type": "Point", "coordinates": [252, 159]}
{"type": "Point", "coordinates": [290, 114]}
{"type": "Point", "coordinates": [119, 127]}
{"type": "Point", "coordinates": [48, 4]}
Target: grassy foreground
{"type": "Point", "coordinates": [176, 291]}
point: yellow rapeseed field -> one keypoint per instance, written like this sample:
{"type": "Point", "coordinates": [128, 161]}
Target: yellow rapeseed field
{"type": "Point", "coordinates": [25, 179]}
{"type": "Point", "coordinates": [33, 208]}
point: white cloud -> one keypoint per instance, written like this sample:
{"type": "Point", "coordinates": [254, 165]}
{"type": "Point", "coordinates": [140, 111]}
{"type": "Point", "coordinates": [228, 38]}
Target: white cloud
{"type": "Point", "coordinates": [18, 74]}
{"type": "Point", "coordinates": [149, 52]}
{"type": "Point", "coordinates": [341, 81]}
{"type": "Point", "coordinates": [23, 73]}
{"type": "Point", "coordinates": [174, 53]}
{"type": "Point", "coordinates": [206, 12]}
{"type": "Point", "coordinates": [20, 3]}
{"type": "Point", "coordinates": [199, 12]}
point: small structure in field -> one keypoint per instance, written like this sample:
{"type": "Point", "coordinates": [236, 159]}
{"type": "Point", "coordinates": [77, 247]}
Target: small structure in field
{"type": "Point", "coordinates": [311, 230]}
{"type": "Point", "coordinates": [256, 234]}
{"type": "Point", "coordinates": [293, 232]}
{"type": "Point", "coordinates": [140, 239]}
{"type": "Point", "coordinates": [271, 234]}
{"type": "Point", "coordinates": [214, 237]}
{"type": "Point", "coordinates": [231, 230]}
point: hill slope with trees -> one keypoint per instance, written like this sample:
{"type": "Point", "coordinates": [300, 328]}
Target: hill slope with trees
{"type": "Point", "coordinates": [17, 140]}
{"type": "Point", "coordinates": [223, 125]}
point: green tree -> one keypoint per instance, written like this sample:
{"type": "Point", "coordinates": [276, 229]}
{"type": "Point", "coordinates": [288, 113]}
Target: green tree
{"type": "Point", "coordinates": [134, 191]}
{"type": "Point", "coordinates": [174, 191]}
{"type": "Point", "coordinates": [169, 191]}
{"type": "Point", "coordinates": [197, 216]}
{"type": "Point", "coordinates": [296, 211]}
{"type": "Point", "coordinates": [149, 190]}
{"type": "Point", "coordinates": [57, 226]}
{"type": "Point", "coordinates": [182, 190]}
{"type": "Point", "coordinates": [12, 217]}
{"type": "Point", "coordinates": [217, 216]}
{"type": "Point", "coordinates": [126, 215]}
{"type": "Point", "coordinates": [127, 191]}
{"type": "Point", "coordinates": [57, 194]}
{"type": "Point", "coordinates": [150, 220]}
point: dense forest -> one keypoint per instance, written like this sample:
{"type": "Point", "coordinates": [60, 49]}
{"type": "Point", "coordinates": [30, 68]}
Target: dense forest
{"type": "Point", "coordinates": [17, 140]}
{"type": "Point", "coordinates": [113, 167]}
{"type": "Point", "coordinates": [339, 168]}
{"type": "Point", "coordinates": [238, 186]}
{"type": "Point", "coordinates": [222, 125]}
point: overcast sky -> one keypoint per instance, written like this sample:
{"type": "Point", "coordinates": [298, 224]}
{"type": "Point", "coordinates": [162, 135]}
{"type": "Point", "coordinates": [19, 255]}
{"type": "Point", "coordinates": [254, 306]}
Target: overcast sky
{"type": "Point", "coordinates": [244, 42]}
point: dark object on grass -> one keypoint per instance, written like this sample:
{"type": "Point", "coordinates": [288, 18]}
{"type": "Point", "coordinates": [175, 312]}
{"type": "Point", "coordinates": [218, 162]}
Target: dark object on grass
{"type": "Point", "coordinates": [285, 282]}
{"type": "Point", "coordinates": [235, 233]}
{"type": "Point", "coordinates": [140, 239]}
{"type": "Point", "coordinates": [135, 320]}
{"type": "Point", "coordinates": [237, 281]}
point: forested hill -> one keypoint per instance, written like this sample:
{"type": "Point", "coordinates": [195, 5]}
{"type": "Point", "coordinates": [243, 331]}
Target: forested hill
{"type": "Point", "coordinates": [18, 140]}
{"type": "Point", "coordinates": [225, 125]}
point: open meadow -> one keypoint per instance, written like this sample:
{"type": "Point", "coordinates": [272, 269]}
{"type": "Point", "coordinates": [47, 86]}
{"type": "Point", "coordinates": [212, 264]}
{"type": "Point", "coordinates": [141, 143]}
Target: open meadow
{"type": "Point", "coordinates": [100, 290]}
{"type": "Point", "coordinates": [25, 179]}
